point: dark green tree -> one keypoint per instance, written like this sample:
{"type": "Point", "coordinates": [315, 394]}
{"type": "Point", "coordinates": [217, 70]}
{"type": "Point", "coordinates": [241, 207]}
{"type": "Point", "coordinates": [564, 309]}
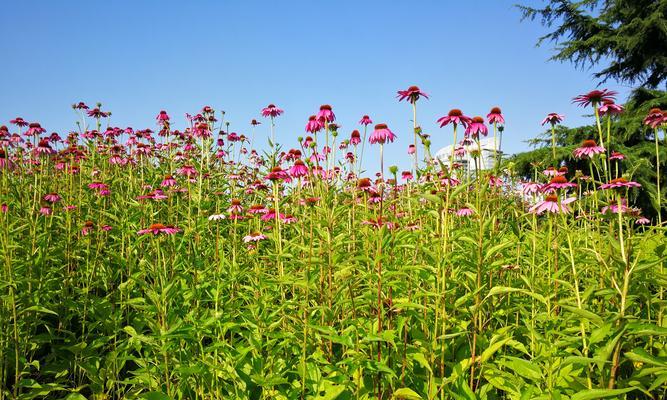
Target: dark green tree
{"type": "Point", "coordinates": [629, 36]}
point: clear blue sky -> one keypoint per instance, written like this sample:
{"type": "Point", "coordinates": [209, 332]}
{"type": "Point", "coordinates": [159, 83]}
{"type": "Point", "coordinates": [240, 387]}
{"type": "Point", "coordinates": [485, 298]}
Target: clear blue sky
{"type": "Point", "coordinates": [138, 57]}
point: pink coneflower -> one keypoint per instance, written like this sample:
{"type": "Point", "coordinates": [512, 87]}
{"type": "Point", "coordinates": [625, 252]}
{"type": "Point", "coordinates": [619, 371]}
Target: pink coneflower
{"type": "Point", "coordinates": [552, 205]}
{"type": "Point", "coordinates": [381, 134]}
{"type": "Point", "coordinates": [289, 219]}
{"type": "Point", "coordinates": [459, 151]}
{"type": "Point", "coordinates": [154, 195]}
{"type": "Point", "coordinates": [412, 149]}
{"type": "Point", "coordinates": [365, 120]}
{"type": "Point", "coordinates": [615, 155]}
{"type": "Point", "coordinates": [456, 117]}
{"type": "Point", "coordinates": [254, 237]}
{"type": "Point", "coordinates": [655, 118]}
{"type": "Point", "coordinates": [271, 111]}
{"type": "Point", "coordinates": [44, 210]}
{"type": "Point", "coordinates": [157, 229]}
{"type": "Point", "coordinates": [18, 121]}
{"type": "Point", "coordinates": [97, 113]}
{"type": "Point", "coordinates": [619, 183]}
{"type": "Point", "coordinates": [550, 171]}
{"type": "Point", "coordinates": [594, 97]}
{"type": "Point", "coordinates": [277, 174]}
{"type": "Point", "coordinates": [464, 212]}
{"type": "Point", "coordinates": [168, 181]}
{"type": "Point", "coordinates": [97, 185]}
{"type": "Point", "coordinates": [298, 170]}
{"type": "Point", "coordinates": [413, 93]}
{"type": "Point", "coordinates": [495, 116]}
{"type": "Point", "coordinates": [258, 209]}
{"type": "Point", "coordinates": [3, 159]}
{"type": "Point", "coordinates": [553, 119]}
{"type": "Point", "coordinates": [615, 209]}
{"type": "Point", "coordinates": [475, 127]}
{"type": "Point", "coordinates": [34, 129]}
{"type": "Point", "coordinates": [162, 117]}
{"type": "Point", "coordinates": [80, 106]}
{"type": "Point", "coordinates": [495, 182]}
{"type": "Point", "coordinates": [187, 170]}
{"type": "Point", "coordinates": [364, 184]}
{"type": "Point", "coordinates": [235, 207]}
{"type": "Point", "coordinates": [217, 217]}
{"type": "Point", "coordinates": [588, 149]}
{"type": "Point", "coordinates": [254, 122]}
{"type": "Point", "coordinates": [355, 137]}
{"type": "Point", "coordinates": [449, 181]}
{"type": "Point", "coordinates": [326, 114]}
{"type": "Point", "coordinates": [608, 107]}
{"type": "Point", "coordinates": [642, 221]}
{"type": "Point", "coordinates": [530, 188]}
{"type": "Point", "coordinates": [52, 198]}
{"type": "Point", "coordinates": [44, 147]}
{"type": "Point", "coordinates": [407, 175]}
{"type": "Point", "coordinates": [4, 208]}
{"type": "Point", "coordinates": [313, 125]}
{"type": "Point", "coordinates": [87, 227]}
{"type": "Point", "coordinates": [271, 215]}
{"type": "Point", "coordinates": [202, 130]}
{"type": "Point", "coordinates": [558, 182]}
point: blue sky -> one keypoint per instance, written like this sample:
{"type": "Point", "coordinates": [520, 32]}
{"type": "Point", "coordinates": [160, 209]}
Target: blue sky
{"type": "Point", "coordinates": [138, 57]}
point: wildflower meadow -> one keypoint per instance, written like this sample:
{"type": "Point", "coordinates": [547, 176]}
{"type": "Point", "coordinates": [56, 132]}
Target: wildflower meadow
{"type": "Point", "coordinates": [189, 261]}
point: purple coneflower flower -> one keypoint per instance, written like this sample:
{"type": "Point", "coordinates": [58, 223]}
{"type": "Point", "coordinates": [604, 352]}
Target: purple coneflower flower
{"type": "Point", "coordinates": [355, 137]}
{"type": "Point", "coordinates": [608, 107]}
{"type": "Point", "coordinates": [495, 116]}
{"type": "Point", "coordinates": [594, 97]}
{"type": "Point", "coordinates": [588, 149]}
{"type": "Point", "coordinates": [456, 117]}
{"type": "Point", "coordinates": [552, 205]}
{"type": "Point", "coordinates": [558, 182]}
{"type": "Point", "coordinates": [655, 118]}
{"type": "Point", "coordinates": [34, 129]}
{"type": "Point", "coordinates": [619, 183]}
{"type": "Point", "coordinates": [52, 197]}
{"type": "Point", "coordinates": [413, 93]}
{"type": "Point", "coordinates": [475, 127]}
{"type": "Point", "coordinates": [157, 229]}
{"type": "Point", "coordinates": [326, 114]}
{"type": "Point", "coordinates": [365, 120]}
{"type": "Point", "coordinates": [381, 134]}
{"type": "Point", "coordinates": [615, 155]}
{"type": "Point", "coordinates": [271, 111]}
{"type": "Point", "coordinates": [254, 237]}
{"type": "Point", "coordinates": [298, 170]}
{"type": "Point", "coordinates": [553, 119]}
{"type": "Point", "coordinates": [464, 212]}
{"type": "Point", "coordinates": [615, 209]}
{"type": "Point", "coordinates": [313, 125]}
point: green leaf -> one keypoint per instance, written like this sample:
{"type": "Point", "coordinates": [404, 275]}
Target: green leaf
{"type": "Point", "coordinates": [155, 396]}
{"type": "Point", "coordinates": [600, 393]}
{"type": "Point", "coordinates": [406, 393]}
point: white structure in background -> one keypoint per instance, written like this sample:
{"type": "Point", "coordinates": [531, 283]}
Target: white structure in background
{"type": "Point", "coordinates": [487, 159]}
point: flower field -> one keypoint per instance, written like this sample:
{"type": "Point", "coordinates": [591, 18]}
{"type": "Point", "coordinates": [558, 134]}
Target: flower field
{"type": "Point", "coordinates": [193, 264]}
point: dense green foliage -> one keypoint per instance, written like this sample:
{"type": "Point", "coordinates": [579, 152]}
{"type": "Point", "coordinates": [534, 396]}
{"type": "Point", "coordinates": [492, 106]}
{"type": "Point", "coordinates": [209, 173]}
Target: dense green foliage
{"type": "Point", "coordinates": [629, 35]}
{"type": "Point", "coordinates": [435, 289]}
